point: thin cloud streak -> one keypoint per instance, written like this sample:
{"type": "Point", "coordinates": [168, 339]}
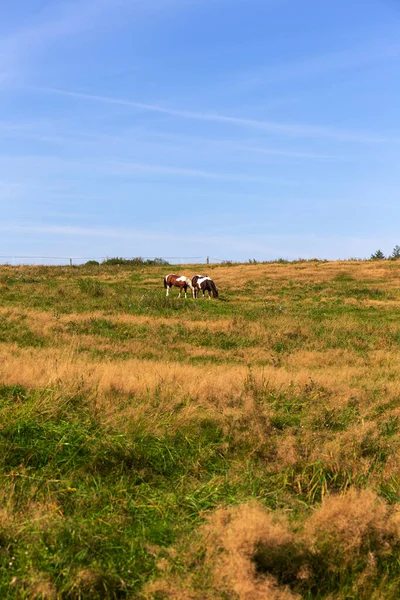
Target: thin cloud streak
{"type": "Point", "coordinates": [70, 137]}
{"type": "Point", "coordinates": [231, 145]}
{"type": "Point", "coordinates": [239, 147]}
{"type": "Point", "coordinates": [107, 233]}
{"type": "Point", "coordinates": [81, 231]}
{"type": "Point", "coordinates": [265, 246]}
{"type": "Point", "coordinates": [314, 66]}
{"type": "Point", "coordinates": [67, 19]}
{"type": "Point", "coordinates": [133, 167]}
{"type": "Point", "coordinates": [64, 20]}
{"type": "Point", "coordinates": [122, 168]}
{"type": "Point", "coordinates": [272, 127]}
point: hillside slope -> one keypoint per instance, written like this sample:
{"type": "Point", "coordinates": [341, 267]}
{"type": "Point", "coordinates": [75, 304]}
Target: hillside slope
{"type": "Point", "coordinates": [245, 447]}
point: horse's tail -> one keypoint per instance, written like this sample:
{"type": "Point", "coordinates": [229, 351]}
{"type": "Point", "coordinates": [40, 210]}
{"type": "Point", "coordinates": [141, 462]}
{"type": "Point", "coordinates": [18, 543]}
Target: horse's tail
{"type": "Point", "coordinates": [213, 288]}
{"type": "Point", "coordinates": [165, 282]}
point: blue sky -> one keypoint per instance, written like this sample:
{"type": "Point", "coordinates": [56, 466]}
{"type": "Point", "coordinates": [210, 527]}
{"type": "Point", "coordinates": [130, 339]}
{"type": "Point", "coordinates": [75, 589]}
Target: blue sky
{"type": "Point", "coordinates": [231, 128]}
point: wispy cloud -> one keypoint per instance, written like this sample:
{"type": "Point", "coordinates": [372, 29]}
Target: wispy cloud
{"type": "Point", "coordinates": [376, 53]}
{"type": "Point", "coordinates": [67, 19]}
{"type": "Point", "coordinates": [296, 130]}
{"type": "Point", "coordinates": [57, 21]}
{"type": "Point", "coordinates": [9, 189]}
{"type": "Point", "coordinates": [159, 243]}
{"type": "Point", "coordinates": [50, 132]}
{"type": "Point", "coordinates": [134, 167]}
{"type": "Point", "coordinates": [93, 232]}
{"type": "Point", "coordinates": [35, 166]}
{"type": "Point", "coordinates": [70, 230]}
{"type": "Point", "coordinates": [249, 147]}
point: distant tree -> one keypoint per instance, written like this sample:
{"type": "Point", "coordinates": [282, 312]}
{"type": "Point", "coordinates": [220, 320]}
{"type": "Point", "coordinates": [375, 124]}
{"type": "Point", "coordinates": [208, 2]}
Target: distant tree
{"type": "Point", "coordinates": [378, 255]}
{"type": "Point", "coordinates": [396, 252]}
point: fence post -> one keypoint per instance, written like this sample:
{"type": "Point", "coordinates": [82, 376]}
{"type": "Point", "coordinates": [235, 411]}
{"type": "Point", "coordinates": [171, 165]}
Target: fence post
{"type": "Point", "coordinates": [70, 262]}
{"type": "Point", "coordinates": [208, 260]}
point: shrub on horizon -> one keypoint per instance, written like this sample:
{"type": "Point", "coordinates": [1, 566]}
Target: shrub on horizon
{"type": "Point", "coordinates": [133, 262]}
{"type": "Point", "coordinates": [378, 255]}
{"type": "Point", "coordinates": [395, 253]}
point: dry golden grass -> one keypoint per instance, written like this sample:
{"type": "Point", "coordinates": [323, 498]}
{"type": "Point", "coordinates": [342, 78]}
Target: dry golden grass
{"type": "Point", "coordinates": [251, 554]}
{"type": "Point", "coordinates": [65, 366]}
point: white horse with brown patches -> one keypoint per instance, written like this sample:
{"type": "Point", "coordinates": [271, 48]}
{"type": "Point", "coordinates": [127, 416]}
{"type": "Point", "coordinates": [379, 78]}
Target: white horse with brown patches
{"type": "Point", "coordinates": [179, 281]}
{"type": "Point", "coordinates": [204, 283]}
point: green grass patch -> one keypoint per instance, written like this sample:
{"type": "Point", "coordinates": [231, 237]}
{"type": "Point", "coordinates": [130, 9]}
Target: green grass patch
{"type": "Point", "coordinates": [15, 329]}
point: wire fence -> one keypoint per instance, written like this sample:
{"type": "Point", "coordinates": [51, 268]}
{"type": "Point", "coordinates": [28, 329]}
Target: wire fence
{"type": "Point", "coordinates": [17, 260]}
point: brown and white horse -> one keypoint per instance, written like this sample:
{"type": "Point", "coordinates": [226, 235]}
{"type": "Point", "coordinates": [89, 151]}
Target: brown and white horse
{"type": "Point", "coordinates": [180, 281]}
{"type": "Point", "coordinates": [205, 284]}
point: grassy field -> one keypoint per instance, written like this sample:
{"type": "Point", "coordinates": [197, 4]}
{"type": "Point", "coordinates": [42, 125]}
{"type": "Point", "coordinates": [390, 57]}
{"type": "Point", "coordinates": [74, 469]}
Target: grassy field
{"type": "Point", "coordinates": [242, 448]}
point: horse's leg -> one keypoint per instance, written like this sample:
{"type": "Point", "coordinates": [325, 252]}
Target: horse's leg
{"type": "Point", "coordinates": [185, 288]}
{"type": "Point", "coordinates": [167, 290]}
{"type": "Point", "coordinates": [180, 290]}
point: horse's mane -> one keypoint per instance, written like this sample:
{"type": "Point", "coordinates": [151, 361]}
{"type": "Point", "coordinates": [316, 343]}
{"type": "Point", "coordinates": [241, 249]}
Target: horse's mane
{"type": "Point", "coordinates": [213, 288]}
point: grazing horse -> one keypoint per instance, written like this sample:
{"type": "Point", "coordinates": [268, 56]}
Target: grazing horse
{"type": "Point", "coordinates": [180, 281]}
{"type": "Point", "coordinates": [205, 284]}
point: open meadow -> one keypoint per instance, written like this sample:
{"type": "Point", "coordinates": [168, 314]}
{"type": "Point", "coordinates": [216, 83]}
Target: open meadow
{"type": "Point", "coordinates": [241, 448]}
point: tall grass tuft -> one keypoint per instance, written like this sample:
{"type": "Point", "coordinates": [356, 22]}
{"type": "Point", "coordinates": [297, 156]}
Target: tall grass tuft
{"type": "Point", "coordinates": [91, 287]}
